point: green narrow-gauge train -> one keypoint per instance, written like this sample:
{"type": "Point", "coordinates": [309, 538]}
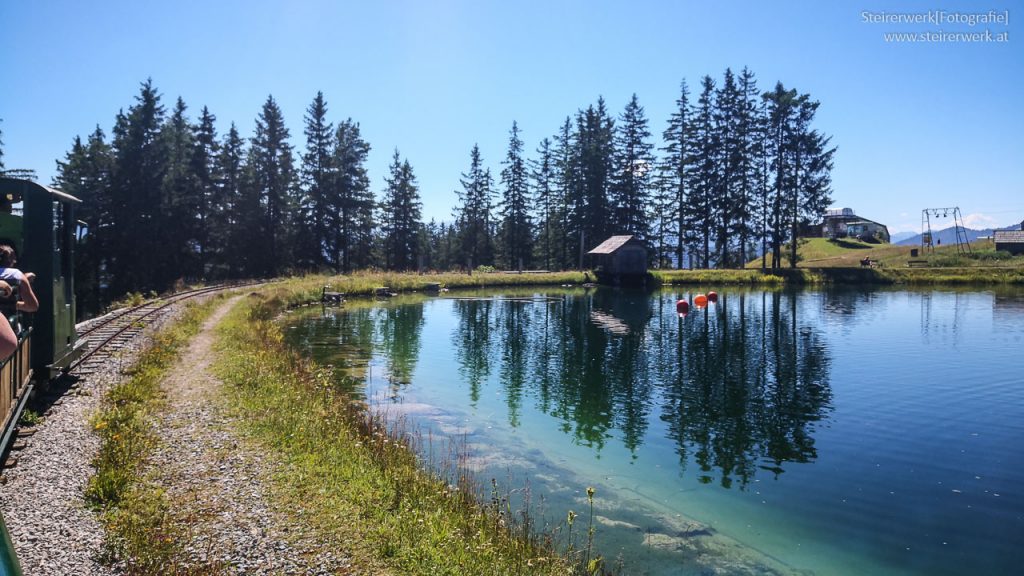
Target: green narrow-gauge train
{"type": "Point", "coordinates": [39, 222]}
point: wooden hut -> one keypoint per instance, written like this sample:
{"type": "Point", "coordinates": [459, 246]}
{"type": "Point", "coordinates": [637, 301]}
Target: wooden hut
{"type": "Point", "coordinates": [1011, 241]}
{"type": "Point", "coordinates": [621, 259]}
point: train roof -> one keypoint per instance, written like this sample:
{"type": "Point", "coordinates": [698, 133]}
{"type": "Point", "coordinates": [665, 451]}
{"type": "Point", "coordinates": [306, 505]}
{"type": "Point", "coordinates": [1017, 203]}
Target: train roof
{"type": "Point", "coordinates": [16, 188]}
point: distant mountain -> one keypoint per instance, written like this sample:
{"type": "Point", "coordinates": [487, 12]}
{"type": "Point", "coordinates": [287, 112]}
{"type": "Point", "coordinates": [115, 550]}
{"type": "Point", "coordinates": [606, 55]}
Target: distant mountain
{"type": "Point", "coordinates": [946, 236]}
{"type": "Point", "coordinates": [901, 236]}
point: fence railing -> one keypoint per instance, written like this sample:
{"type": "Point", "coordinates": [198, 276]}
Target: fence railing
{"type": "Point", "coordinates": [15, 386]}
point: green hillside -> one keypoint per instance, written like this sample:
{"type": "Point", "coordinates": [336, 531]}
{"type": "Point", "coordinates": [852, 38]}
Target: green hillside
{"type": "Point", "coordinates": [848, 253]}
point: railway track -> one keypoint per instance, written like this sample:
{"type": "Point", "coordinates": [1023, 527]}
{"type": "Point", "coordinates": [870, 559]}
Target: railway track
{"type": "Point", "coordinates": [105, 336]}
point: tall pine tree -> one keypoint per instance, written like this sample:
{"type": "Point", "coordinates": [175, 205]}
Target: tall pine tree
{"type": "Point", "coordinates": [273, 180]}
{"type": "Point", "coordinates": [631, 182]}
{"type": "Point", "coordinates": [138, 230]}
{"type": "Point", "coordinates": [476, 242]}
{"type": "Point", "coordinates": [319, 178]}
{"type": "Point", "coordinates": [350, 203]}
{"type": "Point", "coordinates": [516, 234]}
{"type": "Point", "coordinates": [400, 221]}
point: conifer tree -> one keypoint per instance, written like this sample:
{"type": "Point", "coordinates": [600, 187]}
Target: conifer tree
{"type": "Point", "coordinates": [350, 203]}
{"type": "Point", "coordinates": [273, 179]}
{"type": "Point", "coordinates": [674, 172]}
{"type": "Point", "coordinates": [595, 142]}
{"type": "Point", "coordinates": [703, 172]}
{"type": "Point", "coordinates": [725, 193]}
{"type": "Point", "coordinates": [569, 190]}
{"type": "Point", "coordinates": [180, 200]}
{"type": "Point", "coordinates": [139, 168]}
{"type": "Point", "coordinates": [633, 165]}
{"type": "Point", "coordinates": [319, 180]}
{"type": "Point", "coordinates": [781, 104]}
{"type": "Point", "coordinates": [1, 149]}
{"type": "Point", "coordinates": [476, 243]}
{"type": "Point", "coordinates": [204, 164]}
{"type": "Point", "coordinates": [85, 174]}
{"type": "Point", "coordinates": [516, 233]}
{"type": "Point", "coordinates": [226, 233]}
{"type": "Point", "coordinates": [749, 151]}
{"type": "Point", "coordinates": [549, 205]}
{"type": "Point", "coordinates": [400, 217]}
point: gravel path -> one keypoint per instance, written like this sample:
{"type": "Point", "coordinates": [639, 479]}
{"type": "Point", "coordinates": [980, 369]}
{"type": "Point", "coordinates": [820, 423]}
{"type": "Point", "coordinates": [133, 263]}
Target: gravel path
{"type": "Point", "coordinates": [41, 496]}
{"type": "Point", "coordinates": [209, 473]}
{"type": "Point", "coordinates": [217, 478]}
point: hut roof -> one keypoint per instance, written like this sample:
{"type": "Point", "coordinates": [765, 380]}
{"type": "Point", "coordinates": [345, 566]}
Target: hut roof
{"type": "Point", "coordinates": [611, 245]}
{"type": "Point", "coordinates": [1006, 236]}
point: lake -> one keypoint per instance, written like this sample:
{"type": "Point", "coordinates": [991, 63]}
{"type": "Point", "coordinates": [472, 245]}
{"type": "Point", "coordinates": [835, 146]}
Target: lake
{"type": "Point", "coordinates": [773, 432]}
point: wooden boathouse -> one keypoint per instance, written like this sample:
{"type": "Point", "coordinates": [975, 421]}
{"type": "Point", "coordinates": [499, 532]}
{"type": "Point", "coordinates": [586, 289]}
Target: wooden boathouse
{"type": "Point", "coordinates": [620, 260]}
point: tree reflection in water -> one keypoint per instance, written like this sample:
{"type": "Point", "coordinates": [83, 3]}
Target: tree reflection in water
{"type": "Point", "coordinates": [739, 385]}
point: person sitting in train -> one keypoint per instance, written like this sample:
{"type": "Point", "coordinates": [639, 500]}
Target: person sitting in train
{"type": "Point", "coordinates": [8, 339]}
{"type": "Point", "coordinates": [20, 281]}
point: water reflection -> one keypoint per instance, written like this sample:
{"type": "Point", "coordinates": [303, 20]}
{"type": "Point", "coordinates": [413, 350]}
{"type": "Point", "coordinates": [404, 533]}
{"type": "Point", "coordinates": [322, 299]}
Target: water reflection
{"type": "Point", "coordinates": [739, 386]}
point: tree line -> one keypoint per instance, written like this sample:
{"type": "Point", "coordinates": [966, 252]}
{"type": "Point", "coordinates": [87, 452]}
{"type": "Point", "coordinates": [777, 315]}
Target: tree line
{"type": "Point", "coordinates": [737, 172]}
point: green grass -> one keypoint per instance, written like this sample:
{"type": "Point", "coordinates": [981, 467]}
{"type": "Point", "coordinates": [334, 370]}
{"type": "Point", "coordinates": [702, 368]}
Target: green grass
{"type": "Point", "coordinates": [839, 262]}
{"type": "Point", "coordinates": [730, 277]}
{"type": "Point", "coordinates": [351, 481]}
{"type": "Point", "coordinates": [364, 283]}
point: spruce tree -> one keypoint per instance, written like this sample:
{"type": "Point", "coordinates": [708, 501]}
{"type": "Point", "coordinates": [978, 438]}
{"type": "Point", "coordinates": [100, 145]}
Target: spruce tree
{"type": "Point", "coordinates": [782, 106]}
{"type": "Point", "coordinates": [674, 171]}
{"type": "Point", "coordinates": [516, 233]}
{"type": "Point", "coordinates": [179, 222]}
{"type": "Point", "coordinates": [272, 170]}
{"type": "Point", "coordinates": [549, 205]}
{"type": "Point", "coordinates": [204, 165]}
{"type": "Point", "coordinates": [226, 232]}
{"type": "Point", "coordinates": [595, 149]}
{"type": "Point", "coordinates": [85, 173]}
{"type": "Point", "coordinates": [319, 179]}
{"type": "Point", "coordinates": [400, 209]}
{"type": "Point", "coordinates": [137, 227]}
{"type": "Point", "coordinates": [570, 193]}
{"type": "Point", "coordinates": [704, 172]}
{"type": "Point", "coordinates": [631, 181]}
{"type": "Point", "coordinates": [350, 204]}
{"type": "Point", "coordinates": [473, 216]}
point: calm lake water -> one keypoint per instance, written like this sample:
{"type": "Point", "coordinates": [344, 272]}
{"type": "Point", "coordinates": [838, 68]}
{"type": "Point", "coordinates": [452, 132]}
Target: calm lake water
{"type": "Point", "coordinates": [825, 432]}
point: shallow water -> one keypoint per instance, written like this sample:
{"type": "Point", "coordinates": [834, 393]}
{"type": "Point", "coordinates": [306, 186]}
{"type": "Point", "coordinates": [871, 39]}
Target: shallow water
{"type": "Point", "coordinates": [827, 432]}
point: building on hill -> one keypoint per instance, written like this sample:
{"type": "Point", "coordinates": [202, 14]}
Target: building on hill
{"type": "Point", "coordinates": [1011, 241]}
{"type": "Point", "coordinates": [845, 223]}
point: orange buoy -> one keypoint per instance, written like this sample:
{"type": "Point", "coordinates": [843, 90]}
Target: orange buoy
{"type": "Point", "coordinates": [712, 297]}
{"type": "Point", "coordinates": [682, 307]}
{"type": "Point", "coordinates": [700, 300]}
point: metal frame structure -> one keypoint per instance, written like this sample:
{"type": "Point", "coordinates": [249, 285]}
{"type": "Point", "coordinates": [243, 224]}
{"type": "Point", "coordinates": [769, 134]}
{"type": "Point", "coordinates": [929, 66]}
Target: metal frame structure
{"type": "Point", "coordinates": [963, 246]}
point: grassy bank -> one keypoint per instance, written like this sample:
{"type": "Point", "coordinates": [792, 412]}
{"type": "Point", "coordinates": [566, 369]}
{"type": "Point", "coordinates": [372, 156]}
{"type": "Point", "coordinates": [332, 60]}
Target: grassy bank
{"type": "Point", "coordinates": [343, 475]}
{"type": "Point", "coordinates": [134, 511]}
{"type": "Point", "coordinates": [720, 277]}
{"type": "Point", "coordinates": [364, 283]}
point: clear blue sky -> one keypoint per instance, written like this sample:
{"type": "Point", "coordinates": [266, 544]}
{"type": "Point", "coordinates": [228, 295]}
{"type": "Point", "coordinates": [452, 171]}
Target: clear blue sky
{"type": "Point", "coordinates": [918, 125]}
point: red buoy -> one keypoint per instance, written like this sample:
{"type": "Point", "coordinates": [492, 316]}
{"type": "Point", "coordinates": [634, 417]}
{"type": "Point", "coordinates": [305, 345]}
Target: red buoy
{"type": "Point", "coordinates": [682, 307]}
{"type": "Point", "coordinates": [700, 300]}
{"type": "Point", "coordinates": [712, 297]}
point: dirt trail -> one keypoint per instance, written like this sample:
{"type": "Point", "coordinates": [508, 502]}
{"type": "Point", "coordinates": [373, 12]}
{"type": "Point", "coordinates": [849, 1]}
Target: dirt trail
{"type": "Point", "coordinates": [215, 480]}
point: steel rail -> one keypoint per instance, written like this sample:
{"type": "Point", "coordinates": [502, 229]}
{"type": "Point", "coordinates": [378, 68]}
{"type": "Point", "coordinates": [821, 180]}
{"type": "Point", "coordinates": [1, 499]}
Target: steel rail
{"type": "Point", "coordinates": [132, 316]}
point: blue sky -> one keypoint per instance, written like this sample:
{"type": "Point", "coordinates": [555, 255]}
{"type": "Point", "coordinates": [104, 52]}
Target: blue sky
{"type": "Point", "coordinates": [918, 125]}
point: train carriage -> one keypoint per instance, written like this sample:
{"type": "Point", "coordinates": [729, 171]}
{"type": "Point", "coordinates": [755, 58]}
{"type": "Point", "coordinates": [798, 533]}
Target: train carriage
{"type": "Point", "coordinates": [39, 222]}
